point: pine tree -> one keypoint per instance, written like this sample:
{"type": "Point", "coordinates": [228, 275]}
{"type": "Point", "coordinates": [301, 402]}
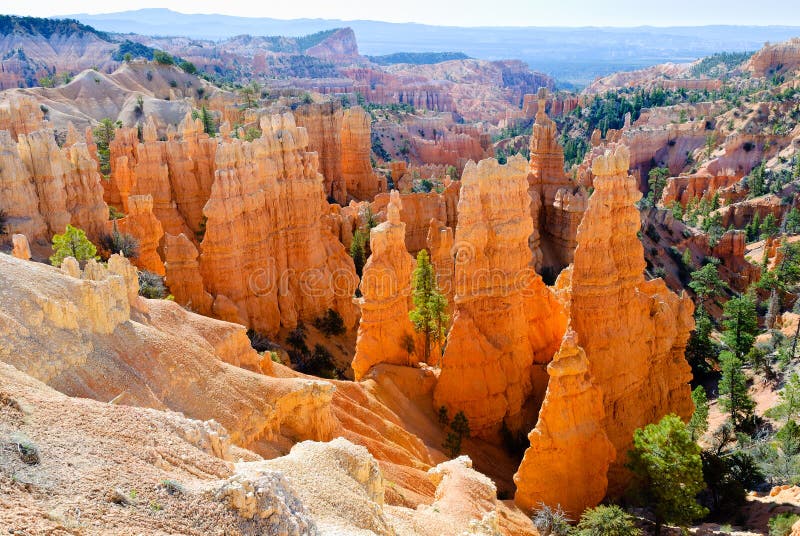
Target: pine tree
{"type": "Point", "coordinates": [668, 471]}
{"type": "Point", "coordinates": [740, 322]}
{"type": "Point", "coordinates": [700, 348]}
{"type": "Point", "coordinates": [72, 243]}
{"type": "Point", "coordinates": [698, 424]}
{"type": "Point", "coordinates": [429, 315]}
{"type": "Point", "coordinates": [103, 134]}
{"type": "Point", "coordinates": [733, 395]}
{"type": "Point", "coordinates": [208, 121]}
{"type": "Point", "coordinates": [706, 283]}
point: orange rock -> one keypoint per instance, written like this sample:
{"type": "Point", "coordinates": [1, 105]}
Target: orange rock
{"type": "Point", "coordinates": [558, 203]}
{"type": "Point", "coordinates": [505, 319]}
{"type": "Point", "coordinates": [19, 199]}
{"type": "Point", "coordinates": [360, 180]}
{"type": "Point", "coordinates": [323, 122]}
{"type": "Point", "coordinates": [440, 247]}
{"type": "Point", "coordinates": [143, 225]}
{"type": "Point", "coordinates": [416, 213]}
{"type": "Point", "coordinates": [22, 250]}
{"type": "Point", "coordinates": [66, 184]}
{"type": "Point", "coordinates": [177, 173]}
{"type": "Point", "coordinates": [615, 312]}
{"type": "Point", "coordinates": [385, 333]}
{"type": "Point", "coordinates": [569, 444]}
{"type": "Point", "coordinates": [265, 247]}
{"type": "Point", "coordinates": [21, 115]}
{"type": "Point", "coordinates": [781, 56]}
{"type": "Point", "coordinates": [183, 274]}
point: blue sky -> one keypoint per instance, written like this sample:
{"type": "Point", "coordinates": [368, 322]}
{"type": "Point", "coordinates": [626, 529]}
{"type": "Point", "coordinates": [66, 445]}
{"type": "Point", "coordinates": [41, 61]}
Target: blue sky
{"type": "Point", "coordinates": [461, 12]}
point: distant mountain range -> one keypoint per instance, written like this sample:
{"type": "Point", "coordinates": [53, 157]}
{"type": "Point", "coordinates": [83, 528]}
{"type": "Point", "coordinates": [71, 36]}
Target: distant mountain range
{"type": "Point", "coordinates": [572, 55]}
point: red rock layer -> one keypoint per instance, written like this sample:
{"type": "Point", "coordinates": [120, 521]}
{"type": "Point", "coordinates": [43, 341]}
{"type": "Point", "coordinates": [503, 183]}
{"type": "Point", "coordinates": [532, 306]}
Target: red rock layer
{"type": "Point", "coordinates": [440, 247]}
{"type": "Point", "coordinates": [385, 333]}
{"type": "Point", "coordinates": [506, 325]}
{"type": "Point", "coordinates": [266, 251]}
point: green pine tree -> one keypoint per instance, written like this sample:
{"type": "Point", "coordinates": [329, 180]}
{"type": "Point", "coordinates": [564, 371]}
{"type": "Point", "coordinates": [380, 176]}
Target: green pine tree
{"type": "Point", "coordinates": [698, 424]}
{"type": "Point", "coordinates": [208, 121]}
{"type": "Point", "coordinates": [733, 395]}
{"type": "Point", "coordinates": [429, 315]}
{"type": "Point", "coordinates": [72, 243]}
{"type": "Point", "coordinates": [668, 472]}
{"type": "Point", "coordinates": [740, 323]}
{"type": "Point", "coordinates": [707, 283]}
{"type": "Point", "coordinates": [103, 134]}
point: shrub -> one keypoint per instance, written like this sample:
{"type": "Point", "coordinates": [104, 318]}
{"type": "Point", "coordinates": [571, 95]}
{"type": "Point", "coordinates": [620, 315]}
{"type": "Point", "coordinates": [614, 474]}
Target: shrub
{"type": "Point", "coordinates": [188, 67]}
{"type": "Point", "coordinates": [151, 285]}
{"type": "Point", "coordinates": [330, 323]}
{"type": "Point", "coordinates": [605, 520]}
{"type": "Point", "coordinates": [114, 213]}
{"type": "Point", "coordinates": [319, 363]}
{"type": "Point", "coordinates": [72, 243]}
{"type": "Point", "coordinates": [120, 243]}
{"type": "Point", "coordinates": [781, 524]}
{"type": "Point", "coordinates": [260, 342]}
{"type": "Point", "coordinates": [28, 451]}
{"type": "Point", "coordinates": [551, 521]}
{"type": "Point", "coordinates": [173, 487]}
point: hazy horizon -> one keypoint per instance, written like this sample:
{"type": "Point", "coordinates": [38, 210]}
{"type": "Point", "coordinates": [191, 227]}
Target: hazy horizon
{"type": "Point", "coordinates": [470, 13]}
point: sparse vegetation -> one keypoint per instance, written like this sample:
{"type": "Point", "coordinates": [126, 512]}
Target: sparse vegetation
{"type": "Point", "coordinates": [606, 520]}
{"type": "Point", "coordinates": [72, 243]}
{"type": "Point", "coordinates": [116, 242]}
{"type": "Point", "coordinates": [151, 285]}
{"type": "Point", "coordinates": [330, 323]}
{"type": "Point", "coordinates": [429, 315]}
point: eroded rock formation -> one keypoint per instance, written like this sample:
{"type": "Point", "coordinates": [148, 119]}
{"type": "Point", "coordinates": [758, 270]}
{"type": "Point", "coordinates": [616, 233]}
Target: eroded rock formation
{"type": "Point", "coordinates": [506, 325]}
{"type": "Point", "coordinates": [141, 223]}
{"type": "Point", "coordinates": [385, 333]}
{"type": "Point", "coordinates": [567, 462]}
{"type": "Point", "coordinates": [615, 312]}
{"type": "Point", "coordinates": [46, 187]}
{"type": "Point", "coordinates": [265, 249]}
{"type": "Point", "coordinates": [360, 180]}
{"type": "Point", "coordinates": [557, 203]}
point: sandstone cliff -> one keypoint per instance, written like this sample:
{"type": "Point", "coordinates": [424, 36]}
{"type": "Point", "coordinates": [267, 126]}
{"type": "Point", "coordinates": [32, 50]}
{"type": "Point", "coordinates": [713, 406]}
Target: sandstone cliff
{"type": "Point", "coordinates": [357, 174]}
{"type": "Point", "coordinates": [46, 187]}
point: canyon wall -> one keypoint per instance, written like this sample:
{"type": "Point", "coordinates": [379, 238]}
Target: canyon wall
{"type": "Point", "coordinates": [45, 187]}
